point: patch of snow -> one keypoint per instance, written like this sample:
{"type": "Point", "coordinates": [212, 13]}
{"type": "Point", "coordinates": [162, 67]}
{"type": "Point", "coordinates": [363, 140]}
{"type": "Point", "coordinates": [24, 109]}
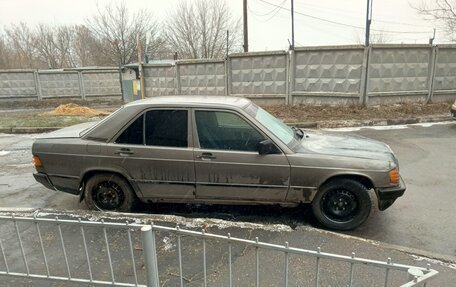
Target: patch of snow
{"type": "Point", "coordinates": [168, 245]}
{"type": "Point", "coordinates": [426, 125]}
{"type": "Point", "coordinates": [197, 223]}
{"type": "Point", "coordinates": [378, 128]}
{"type": "Point", "coordinates": [391, 127]}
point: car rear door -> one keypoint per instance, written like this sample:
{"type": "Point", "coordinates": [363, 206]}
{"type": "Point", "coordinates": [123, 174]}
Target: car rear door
{"type": "Point", "coordinates": [155, 149]}
{"type": "Point", "coordinates": [227, 163]}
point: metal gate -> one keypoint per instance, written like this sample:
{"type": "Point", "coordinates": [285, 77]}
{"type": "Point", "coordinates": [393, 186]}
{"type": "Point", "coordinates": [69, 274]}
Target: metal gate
{"type": "Point", "coordinates": [103, 253]}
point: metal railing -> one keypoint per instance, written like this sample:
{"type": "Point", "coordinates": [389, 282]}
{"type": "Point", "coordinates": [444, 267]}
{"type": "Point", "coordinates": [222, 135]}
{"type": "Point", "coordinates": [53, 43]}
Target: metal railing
{"type": "Point", "coordinates": [132, 258]}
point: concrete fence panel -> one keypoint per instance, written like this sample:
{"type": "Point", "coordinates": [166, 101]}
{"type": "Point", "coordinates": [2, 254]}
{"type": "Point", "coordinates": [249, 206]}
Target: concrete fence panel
{"type": "Point", "coordinates": [260, 75]}
{"type": "Point", "coordinates": [59, 84]}
{"type": "Point", "coordinates": [445, 73]}
{"type": "Point", "coordinates": [327, 74]}
{"type": "Point", "coordinates": [201, 77]}
{"type": "Point", "coordinates": [101, 83]}
{"type": "Point", "coordinates": [399, 73]}
{"type": "Point", "coordinates": [17, 83]}
{"type": "Point", "coordinates": [160, 80]}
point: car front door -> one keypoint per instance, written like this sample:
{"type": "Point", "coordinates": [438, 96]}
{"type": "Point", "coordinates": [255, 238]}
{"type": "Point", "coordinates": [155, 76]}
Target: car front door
{"type": "Point", "coordinates": [155, 149]}
{"type": "Point", "coordinates": [227, 163]}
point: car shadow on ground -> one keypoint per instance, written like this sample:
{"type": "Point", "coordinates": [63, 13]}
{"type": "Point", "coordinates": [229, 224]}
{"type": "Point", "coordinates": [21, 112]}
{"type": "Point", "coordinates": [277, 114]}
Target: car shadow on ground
{"type": "Point", "coordinates": [259, 214]}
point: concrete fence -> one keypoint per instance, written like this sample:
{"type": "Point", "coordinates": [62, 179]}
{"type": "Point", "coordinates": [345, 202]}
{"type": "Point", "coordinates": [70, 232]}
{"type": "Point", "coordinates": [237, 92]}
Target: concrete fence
{"type": "Point", "coordinates": [347, 75]}
{"type": "Point", "coordinates": [337, 75]}
{"type": "Point", "coordinates": [43, 84]}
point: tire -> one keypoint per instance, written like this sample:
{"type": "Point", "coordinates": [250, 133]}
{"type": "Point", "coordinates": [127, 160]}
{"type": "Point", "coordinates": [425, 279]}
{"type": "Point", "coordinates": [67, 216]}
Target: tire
{"type": "Point", "coordinates": [109, 192]}
{"type": "Point", "coordinates": [342, 204]}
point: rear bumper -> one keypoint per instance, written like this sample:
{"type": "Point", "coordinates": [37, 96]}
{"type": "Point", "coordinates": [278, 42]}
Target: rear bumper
{"type": "Point", "coordinates": [387, 195]}
{"type": "Point", "coordinates": [43, 179]}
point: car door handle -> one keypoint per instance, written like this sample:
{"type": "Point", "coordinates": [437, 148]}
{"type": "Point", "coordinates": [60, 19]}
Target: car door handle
{"type": "Point", "coordinates": [124, 152]}
{"type": "Point", "coordinates": [206, 156]}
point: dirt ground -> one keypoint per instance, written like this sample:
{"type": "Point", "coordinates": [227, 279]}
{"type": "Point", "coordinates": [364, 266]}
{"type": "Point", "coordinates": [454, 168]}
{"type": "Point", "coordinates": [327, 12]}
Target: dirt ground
{"type": "Point", "coordinates": [39, 113]}
{"type": "Point", "coordinates": [306, 113]}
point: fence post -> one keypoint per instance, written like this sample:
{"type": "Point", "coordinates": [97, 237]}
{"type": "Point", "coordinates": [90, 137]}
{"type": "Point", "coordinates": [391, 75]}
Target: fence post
{"type": "Point", "coordinates": [291, 66]}
{"type": "Point", "coordinates": [363, 86]}
{"type": "Point", "coordinates": [37, 85]}
{"type": "Point", "coordinates": [150, 256]}
{"type": "Point", "coordinates": [81, 86]}
{"type": "Point", "coordinates": [431, 74]}
{"type": "Point", "coordinates": [178, 81]}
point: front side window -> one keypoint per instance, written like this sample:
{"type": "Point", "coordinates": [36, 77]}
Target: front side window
{"type": "Point", "coordinates": [226, 131]}
{"type": "Point", "coordinates": [167, 128]}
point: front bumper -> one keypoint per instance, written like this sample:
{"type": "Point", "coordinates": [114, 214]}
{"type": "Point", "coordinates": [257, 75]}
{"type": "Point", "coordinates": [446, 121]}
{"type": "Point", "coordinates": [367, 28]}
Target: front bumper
{"type": "Point", "coordinates": [387, 195]}
{"type": "Point", "coordinates": [43, 179]}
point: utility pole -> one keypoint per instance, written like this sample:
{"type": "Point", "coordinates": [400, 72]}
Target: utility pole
{"type": "Point", "coordinates": [227, 42]}
{"type": "Point", "coordinates": [292, 25]}
{"type": "Point", "coordinates": [140, 67]}
{"type": "Point", "coordinates": [368, 20]}
{"type": "Point", "coordinates": [246, 30]}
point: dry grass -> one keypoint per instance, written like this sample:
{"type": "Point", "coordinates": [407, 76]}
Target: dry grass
{"type": "Point", "coordinates": [307, 113]}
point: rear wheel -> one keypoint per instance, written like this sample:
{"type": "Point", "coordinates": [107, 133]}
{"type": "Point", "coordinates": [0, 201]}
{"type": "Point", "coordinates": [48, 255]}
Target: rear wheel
{"type": "Point", "coordinates": [109, 192]}
{"type": "Point", "coordinates": [342, 204]}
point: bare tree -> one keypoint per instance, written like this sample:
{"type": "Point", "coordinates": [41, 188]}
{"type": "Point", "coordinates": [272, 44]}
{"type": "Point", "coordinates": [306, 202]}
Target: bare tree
{"type": "Point", "coordinates": [442, 12]}
{"type": "Point", "coordinates": [64, 36]}
{"type": "Point", "coordinates": [5, 53]}
{"type": "Point", "coordinates": [86, 48]}
{"type": "Point", "coordinates": [375, 38]}
{"type": "Point", "coordinates": [45, 46]}
{"type": "Point", "coordinates": [197, 29]}
{"type": "Point", "coordinates": [117, 28]}
{"type": "Point", "coordinates": [21, 41]}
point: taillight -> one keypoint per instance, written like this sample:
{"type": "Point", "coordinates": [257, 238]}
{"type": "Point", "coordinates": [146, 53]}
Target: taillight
{"type": "Point", "coordinates": [37, 161]}
{"type": "Point", "coordinates": [394, 176]}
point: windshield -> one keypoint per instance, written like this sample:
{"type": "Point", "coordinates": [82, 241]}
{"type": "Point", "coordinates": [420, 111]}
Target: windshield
{"type": "Point", "coordinates": [274, 125]}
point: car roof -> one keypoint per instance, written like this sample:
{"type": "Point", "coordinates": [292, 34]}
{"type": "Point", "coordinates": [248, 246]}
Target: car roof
{"type": "Point", "coordinates": [193, 101]}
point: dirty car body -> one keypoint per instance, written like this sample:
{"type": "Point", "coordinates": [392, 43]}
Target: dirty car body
{"type": "Point", "coordinates": [216, 150]}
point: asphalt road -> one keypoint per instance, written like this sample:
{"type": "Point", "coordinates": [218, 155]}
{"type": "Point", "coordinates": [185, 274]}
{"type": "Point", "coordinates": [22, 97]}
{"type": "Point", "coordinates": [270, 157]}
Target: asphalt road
{"type": "Point", "coordinates": [421, 219]}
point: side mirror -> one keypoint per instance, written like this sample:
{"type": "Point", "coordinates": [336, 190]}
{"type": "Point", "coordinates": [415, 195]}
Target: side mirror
{"type": "Point", "coordinates": [267, 147]}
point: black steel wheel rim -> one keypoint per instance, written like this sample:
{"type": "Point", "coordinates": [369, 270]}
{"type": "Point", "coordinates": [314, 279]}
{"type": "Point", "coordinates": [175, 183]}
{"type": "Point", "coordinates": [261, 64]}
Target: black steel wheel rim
{"type": "Point", "coordinates": [340, 205]}
{"type": "Point", "coordinates": [108, 195]}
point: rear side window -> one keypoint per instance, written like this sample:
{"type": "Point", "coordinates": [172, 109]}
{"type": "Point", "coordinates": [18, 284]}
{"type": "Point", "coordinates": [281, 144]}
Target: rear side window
{"type": "Point", "coordinates": [167, 128]}
{"type": "Point", "coordinates": [134, 133]}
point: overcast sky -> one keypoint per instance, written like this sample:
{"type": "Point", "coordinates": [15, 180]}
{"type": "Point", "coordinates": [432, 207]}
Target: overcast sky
{"type": "Point", "coordinates": [326, 22]}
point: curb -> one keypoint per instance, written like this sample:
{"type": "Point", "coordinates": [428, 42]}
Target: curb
{"type": "Point", "coordinates": [309, 125]}
{"type": "Point", "coordinates": [28, 130]}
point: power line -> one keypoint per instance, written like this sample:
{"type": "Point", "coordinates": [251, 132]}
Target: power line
{"type": "Point", "coordinates": [274, 11]}
{"type": "Point", "coordinates": [345, 24]}
{"type": "Point", "coordinates": [346, 12]}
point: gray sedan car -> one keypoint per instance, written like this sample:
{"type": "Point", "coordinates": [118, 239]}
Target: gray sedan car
{"type": "Point", "coordinates": [216, 150]}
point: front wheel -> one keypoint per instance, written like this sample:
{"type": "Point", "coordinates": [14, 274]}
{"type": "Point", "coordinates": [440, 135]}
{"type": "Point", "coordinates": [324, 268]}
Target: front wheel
{"type": "Point", "coordinates": [342, 204]}
{"type": "Point", "coordinates": [109, 192]}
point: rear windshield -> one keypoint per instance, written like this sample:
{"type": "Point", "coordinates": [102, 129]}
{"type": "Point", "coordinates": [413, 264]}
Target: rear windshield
{"type": "Point", "coordinates": [87, 130]}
